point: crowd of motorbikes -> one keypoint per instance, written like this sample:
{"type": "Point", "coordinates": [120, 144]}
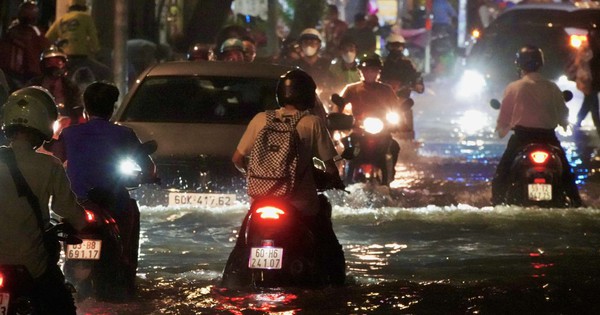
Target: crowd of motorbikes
{"type": "Point", "coordinates": [278, 249]}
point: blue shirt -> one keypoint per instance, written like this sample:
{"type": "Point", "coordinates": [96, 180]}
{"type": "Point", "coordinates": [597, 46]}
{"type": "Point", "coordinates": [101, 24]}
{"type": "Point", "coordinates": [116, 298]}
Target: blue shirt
{"type": "Point", "coordinates": [443, 12]}
{"type": "Point", "coordinates": [93, 152]}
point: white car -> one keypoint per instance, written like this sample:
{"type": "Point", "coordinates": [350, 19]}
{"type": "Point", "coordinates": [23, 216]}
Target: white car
{"type": "Point", "coordinates": [197, 112]}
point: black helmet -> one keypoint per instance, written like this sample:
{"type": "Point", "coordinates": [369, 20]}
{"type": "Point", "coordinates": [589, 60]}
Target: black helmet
{"type": "Point", "coordinates": [529, 58]}
{"type": "Point", "coordinates": [370, 60]}
{"type": "Point", "coordinates": [99, 98]}
{"type": "Point", "coordinates": [297, 88]}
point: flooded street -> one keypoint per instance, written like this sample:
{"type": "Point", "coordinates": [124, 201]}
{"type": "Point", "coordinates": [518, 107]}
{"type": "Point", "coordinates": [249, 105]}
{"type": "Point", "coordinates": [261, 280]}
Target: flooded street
{"type": "Point", "coordinates": [431, 244]}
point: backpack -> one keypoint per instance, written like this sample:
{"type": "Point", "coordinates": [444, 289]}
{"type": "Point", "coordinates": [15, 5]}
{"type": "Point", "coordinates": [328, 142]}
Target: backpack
{"type": "Point", "coordinates": [272, 168]}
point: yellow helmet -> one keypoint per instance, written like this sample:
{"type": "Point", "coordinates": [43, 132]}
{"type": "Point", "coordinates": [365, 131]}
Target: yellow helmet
{"type": "Point", "coordinates": [32, 107]}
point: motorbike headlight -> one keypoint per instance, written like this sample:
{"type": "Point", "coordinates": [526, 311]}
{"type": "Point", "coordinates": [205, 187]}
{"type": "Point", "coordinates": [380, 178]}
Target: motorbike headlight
{"type": "Point", "coordinates": [373, 125]}
{"type": "Point", "coordinates": [392, 118]}
{"type": "Point", "coordinates": [129, 167]}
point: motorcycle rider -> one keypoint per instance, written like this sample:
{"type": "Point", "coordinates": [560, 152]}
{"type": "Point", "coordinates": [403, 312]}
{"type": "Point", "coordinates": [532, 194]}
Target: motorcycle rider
{"type": "Point", "coordinates": [79, 36]}
{"type": "Point", "coordinates": [344, 69]}
{"type": "Point", "coordinates": [21, 64]}
{"type": "Point", "coordinates": [532, 107]}
{"type": "Point", "coordinates": [310, 61]}
{"type": "Point", "coordinates": [54, 63]}
{"type": "Point", "coordinates": [27, 119]}
{"type": "Point", "coordinates": [232, 49]}
{"type": "Point", "coordinates": [93, 151]}
{"type": "Point", "coordinates": [296, 92]}
{"type": "Point", "coordinates": [398, 71]}
{"type": "Point", "coordinates": [371, 96]}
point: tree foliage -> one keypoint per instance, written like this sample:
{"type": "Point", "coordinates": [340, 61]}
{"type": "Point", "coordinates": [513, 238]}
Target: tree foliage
{"type": "Point", "coordinates": [307, 13]}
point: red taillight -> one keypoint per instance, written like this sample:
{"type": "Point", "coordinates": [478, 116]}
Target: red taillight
{"type": "Point", "coordinates": [1, 280]}
{"type": "Point", "coordinates": [90, 216]}
{"type": "Point", "coordinates": [269, 212]}
{"type": "Point", "coordinates": [539, 157]}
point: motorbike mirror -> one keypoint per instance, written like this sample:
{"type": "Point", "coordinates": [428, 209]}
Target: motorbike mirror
{"type": "Point", "coordinates": [339, 121]}
{"type": "Point", "coordinates": [338, 100]}
{"type": "Point", "coordinates": [149, 147]}
{"type": "Point", "coordinates": [567, 95]}
{"type": "Point", "coordinates": [495, 104]}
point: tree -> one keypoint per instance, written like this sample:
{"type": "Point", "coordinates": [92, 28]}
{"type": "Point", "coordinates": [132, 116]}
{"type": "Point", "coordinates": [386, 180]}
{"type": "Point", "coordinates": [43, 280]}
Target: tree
{"type": "Point", "coordinates": [307, 13]}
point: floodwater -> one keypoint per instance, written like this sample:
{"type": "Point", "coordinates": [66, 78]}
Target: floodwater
{"type": "Point", "coordinates": [431, 244]}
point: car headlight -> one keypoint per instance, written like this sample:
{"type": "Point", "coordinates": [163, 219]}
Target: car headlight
{"type": "Point", "coordinates": [373, 125]}
{"type": "Point", "coordinates": [392, 118]}
{"type": "Point", "coordinates": [129, 167]}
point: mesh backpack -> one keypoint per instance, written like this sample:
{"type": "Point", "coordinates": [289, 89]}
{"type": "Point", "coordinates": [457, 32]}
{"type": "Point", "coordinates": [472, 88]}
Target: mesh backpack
{"type": "Point", "coordinates": [272, 169]}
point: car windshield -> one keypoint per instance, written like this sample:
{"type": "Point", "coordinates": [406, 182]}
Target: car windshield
{"type": "Point", "coordinates": [200, 99]}
{"type": "Point", "coordinates": [550, 18]}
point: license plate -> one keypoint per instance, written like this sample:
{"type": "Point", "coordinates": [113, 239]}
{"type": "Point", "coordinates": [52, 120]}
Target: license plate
{"type": "Point", "coordinates": [87, 250]}
{"type": "Point", "coordinates": [265, 258]}
{"type": "Point", "coordinates": [199, 199]}
{"type": "Point", "coordinates": [4, 298]}
{"type": "Point", "coordinates": [540, 192]}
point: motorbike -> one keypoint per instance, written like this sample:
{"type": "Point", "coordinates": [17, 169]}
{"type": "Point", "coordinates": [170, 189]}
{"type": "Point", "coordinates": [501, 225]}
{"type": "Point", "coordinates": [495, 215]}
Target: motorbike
{"type": "Point", "coordinates": [104, 264]}
{"type": "Point", "coordinates": [536, 174]}
{"type": "Point", "coordinates": [370, 149]}
{"type": "Point", "coordinates": [16, 283]}
{"type": "Point", "coordinates": [276, 247]}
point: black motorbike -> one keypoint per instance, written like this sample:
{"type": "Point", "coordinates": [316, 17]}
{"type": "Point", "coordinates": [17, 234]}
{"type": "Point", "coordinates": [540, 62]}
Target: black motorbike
{"type": "Point", "coordinates": [370, 150]}
{"type": "Point", "coordinates": [276, 247]}
{"type": "Point", "coordinates": [104, 265]}
{"type": "Point", "coordinates": [536, 174]}
{"type": "Point", "coordinates": [16, 283]}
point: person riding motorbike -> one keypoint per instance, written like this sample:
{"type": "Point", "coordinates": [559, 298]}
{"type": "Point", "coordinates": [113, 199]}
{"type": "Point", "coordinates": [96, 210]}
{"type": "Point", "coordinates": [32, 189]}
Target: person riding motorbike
{"type": "Point", "coordinates": [76, 34]}
{"type": "Point", "coordinates": [27, 119]}
{"type": "Point", "coordinates": [54, 63]}
{"type": "Point", "coordinates": [232, 49]}
{"type": "Point", "coordinates": [21, 46]}
{"type": "Point", "coordinates": [532, 107]}
{"type": "Point", "coordinates": [370, 96]}
{"type": "Point", "coordinates": [398, 71]}
{"type": "Point", "coordinates": [93, 151]}
{"type": "Point", "coordinates": [311, 61]}
{"type": "Point", "coordinates": [296, 93]}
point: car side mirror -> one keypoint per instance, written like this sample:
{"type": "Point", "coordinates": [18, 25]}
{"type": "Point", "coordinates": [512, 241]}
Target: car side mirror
{"type": "Point", "coordinates": [495, 104]}
{"type": "Point", "coordinates": [339, 121]}
{"type": "Point", "coordinates": [149, 147]}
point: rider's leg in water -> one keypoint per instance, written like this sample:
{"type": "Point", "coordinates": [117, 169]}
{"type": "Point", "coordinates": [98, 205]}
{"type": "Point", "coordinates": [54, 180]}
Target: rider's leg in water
{"type": "Point", "coordinates": [500, 180]}
{"type": "Point", "coordinates": [330, 250]}
{"type": "Point", "coordinates": [52, 295]}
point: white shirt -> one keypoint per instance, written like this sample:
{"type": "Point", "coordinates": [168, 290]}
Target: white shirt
{"type": "Point", "coordinates": [532, 102]}
{"type": "Point", "coordinates": [316, 142]}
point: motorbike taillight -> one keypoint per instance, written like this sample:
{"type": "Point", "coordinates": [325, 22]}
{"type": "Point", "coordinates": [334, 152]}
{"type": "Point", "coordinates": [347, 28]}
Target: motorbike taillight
{"type": "Point", "coordinates": [539, 157]}
{"type": "Point", "coordinates": [90, 216]}
{"type": "Point", "coordinates": [1, 280]}
{"type": "Point", "coordinates": [269, 212]}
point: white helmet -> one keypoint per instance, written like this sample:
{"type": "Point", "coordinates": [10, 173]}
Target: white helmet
{"type": "Point", "coordinates": [310, 33]}
{"type": "Point", "coordinates": [32, 107]}
{"type": "Point", "coordinates": [395, 38]}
